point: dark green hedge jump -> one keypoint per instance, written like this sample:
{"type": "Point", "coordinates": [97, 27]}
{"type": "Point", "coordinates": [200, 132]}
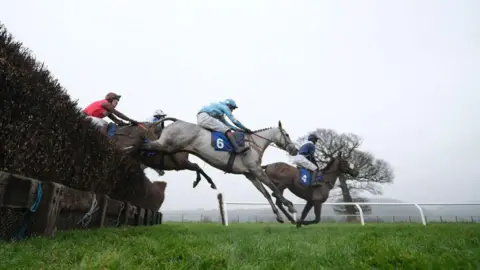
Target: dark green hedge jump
{"type": "Point", "coordinates": [43, 134]}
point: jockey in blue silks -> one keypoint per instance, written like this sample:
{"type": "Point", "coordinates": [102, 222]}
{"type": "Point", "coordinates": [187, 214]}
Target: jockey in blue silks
{"type": "Point", "coordinates": [306, 158]}
{"type": "Point", "coordinates": [212, 117]}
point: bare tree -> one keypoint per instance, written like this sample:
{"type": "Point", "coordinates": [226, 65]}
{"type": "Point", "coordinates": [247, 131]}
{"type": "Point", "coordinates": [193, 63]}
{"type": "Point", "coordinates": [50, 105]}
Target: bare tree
{"type": "Point", "coordinates": [372, 172]}
{"type": "Point", "coordinates": [342, 210]}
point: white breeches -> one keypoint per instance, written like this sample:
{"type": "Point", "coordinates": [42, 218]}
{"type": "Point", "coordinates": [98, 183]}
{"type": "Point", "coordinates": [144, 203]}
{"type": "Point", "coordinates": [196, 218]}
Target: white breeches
{"type": "Point", "coordinates": [302, 161]}
{"type": "Point", "coordinates": [206, 121]}
{"type": "Point", "coordinates": [98, 122]}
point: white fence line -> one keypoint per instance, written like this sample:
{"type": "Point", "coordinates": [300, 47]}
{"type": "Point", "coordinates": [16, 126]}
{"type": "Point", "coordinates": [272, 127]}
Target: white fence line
{"type": "Point", "coordinates": [357, 205]}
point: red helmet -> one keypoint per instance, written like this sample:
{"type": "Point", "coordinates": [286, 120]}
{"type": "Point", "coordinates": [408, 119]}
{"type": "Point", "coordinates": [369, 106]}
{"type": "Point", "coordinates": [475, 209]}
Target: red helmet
{"type": "Point", "coordinates": [112, 96]}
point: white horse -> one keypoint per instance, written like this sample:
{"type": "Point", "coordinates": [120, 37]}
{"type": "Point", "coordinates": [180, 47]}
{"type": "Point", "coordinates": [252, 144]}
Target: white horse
{"type": "Point", "coordinates": [214, 148]}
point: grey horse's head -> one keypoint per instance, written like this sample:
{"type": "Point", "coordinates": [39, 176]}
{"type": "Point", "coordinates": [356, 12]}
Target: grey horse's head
{"type": "Point", "coordinates": [283, 141]}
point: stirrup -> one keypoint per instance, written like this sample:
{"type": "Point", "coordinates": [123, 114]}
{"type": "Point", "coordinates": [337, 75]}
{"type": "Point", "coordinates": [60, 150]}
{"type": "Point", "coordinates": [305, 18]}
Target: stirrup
{"type": "Point", "coordinates": [315, 183]}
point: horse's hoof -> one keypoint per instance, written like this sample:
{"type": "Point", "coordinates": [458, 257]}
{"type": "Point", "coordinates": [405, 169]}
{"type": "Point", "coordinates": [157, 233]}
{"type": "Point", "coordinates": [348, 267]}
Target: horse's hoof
{"type": "Point", "coordinates": [213, 186]}
{"type": "Point", "coordinates": [195, 184]}
{"type": "Point", "coordinates": [299, 225]}
{"type": "Point", "coordinates": [293, 222]}
{"type": "Point", "coordinates": [280, 220]}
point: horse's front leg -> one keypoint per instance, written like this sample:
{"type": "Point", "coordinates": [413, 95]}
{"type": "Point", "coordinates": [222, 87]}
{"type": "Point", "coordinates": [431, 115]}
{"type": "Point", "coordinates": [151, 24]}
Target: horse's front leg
{"type": "Point", "coordinates": [285, 212]}
{"type": "Point", "coordinates": [265, 193]}
{"type": "Point", "coordinates": [317, 208]}
{"type": "Point", "coordinates": [308, 206]}
{"type": "Point", "coordinates": [159, 145]}
{"type": "Point", "coordinates": [263, 177]}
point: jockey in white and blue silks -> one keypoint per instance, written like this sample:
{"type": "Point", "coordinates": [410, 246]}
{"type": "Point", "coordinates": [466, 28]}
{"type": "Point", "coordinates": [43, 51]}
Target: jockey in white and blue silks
{"type": "Point", "coordinates": [306, 158]}
{"type": "Point", "coordinates": [212, 117]}
{"type": "Point", "coordinates": [157, 115]}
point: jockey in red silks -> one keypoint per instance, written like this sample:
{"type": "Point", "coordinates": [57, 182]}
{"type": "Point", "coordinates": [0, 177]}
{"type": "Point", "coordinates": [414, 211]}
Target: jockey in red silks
{"type": "Point", "coordinates": [97, 110]}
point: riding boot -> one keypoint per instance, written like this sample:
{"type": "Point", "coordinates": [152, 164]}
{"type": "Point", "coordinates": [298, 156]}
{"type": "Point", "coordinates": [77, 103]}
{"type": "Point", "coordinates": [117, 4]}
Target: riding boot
{"type": "Point", "coordinates": [238, 149]}
{"type": "Point", "coordinates": [314, 181]}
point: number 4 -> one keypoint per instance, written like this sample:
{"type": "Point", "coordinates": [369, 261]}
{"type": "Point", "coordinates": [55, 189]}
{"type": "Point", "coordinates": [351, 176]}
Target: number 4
{"type": "Point", "coordinates": [220, 144]}
{"type": "Point", "coordinates": [304, 178]}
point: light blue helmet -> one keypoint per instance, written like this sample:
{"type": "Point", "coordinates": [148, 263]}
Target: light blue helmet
{"type": "Point", "coordinates": [230, 102]}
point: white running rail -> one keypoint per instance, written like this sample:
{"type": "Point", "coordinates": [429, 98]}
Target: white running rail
{"type": "Point", "coordinates": [357, 205]}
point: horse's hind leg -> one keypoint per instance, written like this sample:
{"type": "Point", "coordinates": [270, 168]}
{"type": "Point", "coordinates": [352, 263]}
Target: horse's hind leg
{"type": "Point", "coordinates": [181, 162]}
{"type": "Point", "coordinates": [262, 189]}
{"type": "Point", "coordinates": [195, 167]}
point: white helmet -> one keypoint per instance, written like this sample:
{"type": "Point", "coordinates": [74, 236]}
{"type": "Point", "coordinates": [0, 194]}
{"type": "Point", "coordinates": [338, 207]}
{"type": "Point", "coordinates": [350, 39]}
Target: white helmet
{"type": "Point", "coordinates": [159, 113]}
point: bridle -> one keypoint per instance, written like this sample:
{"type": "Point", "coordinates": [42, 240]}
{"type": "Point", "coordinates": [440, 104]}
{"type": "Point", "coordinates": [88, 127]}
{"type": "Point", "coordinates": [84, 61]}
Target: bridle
{"type": "Point", "coordinates": [272, 143]}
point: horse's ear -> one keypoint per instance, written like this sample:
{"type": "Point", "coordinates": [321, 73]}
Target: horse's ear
{"type": "Point", "coordinates": [279, 124]}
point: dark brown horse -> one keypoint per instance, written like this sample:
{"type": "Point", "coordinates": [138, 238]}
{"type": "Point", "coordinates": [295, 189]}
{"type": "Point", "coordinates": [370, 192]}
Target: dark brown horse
{"type": "Point", "coordinates": [130, 138]}
{"type": "Point", "coordinates": [286, 176]}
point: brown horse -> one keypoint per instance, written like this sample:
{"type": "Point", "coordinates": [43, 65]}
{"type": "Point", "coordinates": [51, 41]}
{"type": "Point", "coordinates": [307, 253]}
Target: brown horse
{"type": "Point", "coordinates": [286, 176]}
{"type": "Point", "coordinates": [130, 138]}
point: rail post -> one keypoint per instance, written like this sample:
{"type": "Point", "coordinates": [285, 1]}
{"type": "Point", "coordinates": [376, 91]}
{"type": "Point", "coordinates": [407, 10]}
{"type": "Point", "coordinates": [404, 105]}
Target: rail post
{"type": "Point", "coordinates": [360, 211]}
{"type": "Point", "coordinates": [424, 221]}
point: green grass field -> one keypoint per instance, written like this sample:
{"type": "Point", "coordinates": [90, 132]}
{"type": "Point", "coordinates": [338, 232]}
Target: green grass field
{"type": "Point", "coordinates": [252, 246]}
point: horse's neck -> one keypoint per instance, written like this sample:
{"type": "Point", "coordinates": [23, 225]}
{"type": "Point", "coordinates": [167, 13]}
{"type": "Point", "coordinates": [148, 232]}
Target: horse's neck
{"type": "Point", "coordinates": [331, 174]}
{"type": "Point", "coordinates": [262, 141]}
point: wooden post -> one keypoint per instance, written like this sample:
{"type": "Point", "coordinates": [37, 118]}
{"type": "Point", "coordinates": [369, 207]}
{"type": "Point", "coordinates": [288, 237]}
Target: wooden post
{"type": "Point", "coordinates": [48, 209]}
{"type": "Point", "coordinates": [155, 217]}
{"type": "Point", "coordinates": [126, 212]}
{"type": "Point", "coordinates": [160, 217]}
{"type": "Point", "coordinates": [17, 191]}
{"type": "Point", "coordinates": [148, 217]}
{"type": "Point", "coordinates": [140, 216]}
{"type": "Point", "coordinates": [220, 205]}
{"type": "Point", "coordinates": [103, 210]}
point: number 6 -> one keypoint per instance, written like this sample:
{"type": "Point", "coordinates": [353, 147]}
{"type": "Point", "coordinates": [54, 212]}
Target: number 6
{"type": "Point", "coordinates": [220, 144]}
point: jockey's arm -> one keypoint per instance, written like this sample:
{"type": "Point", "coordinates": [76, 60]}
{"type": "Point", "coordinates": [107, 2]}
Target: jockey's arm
{"type": "Point", "coordinates": [234, 120]}
{"type": "Point", "coordinates": [307, 150]}
{"type": "Point", "coordinates": [221, 119]}
{"type": "Point", "coordinates": [109, 107]}
{"type": "Point", "coordinates": [114, 119]}
{"type": "Point", "coordinates": [310, 153]}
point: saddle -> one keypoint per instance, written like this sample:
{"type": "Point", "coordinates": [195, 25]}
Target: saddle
{"type": "Point", "coordinates": [221, 143]}
{"type": "Point", "coordinates": [305, 176]}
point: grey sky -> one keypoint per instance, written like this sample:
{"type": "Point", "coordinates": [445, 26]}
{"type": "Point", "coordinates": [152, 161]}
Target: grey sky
{"type": "Point", "coordinates": [401, 73]}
